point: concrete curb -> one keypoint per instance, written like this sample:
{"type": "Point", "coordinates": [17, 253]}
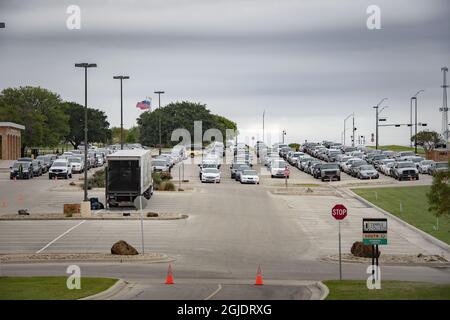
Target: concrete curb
{"type": "Point", "coordinates": [30, 218]}
{"type": "Point", "coordinates": [111, 291]}
{"type": "Point", "coordinates": [424, 235]}
{"type": "Point", "coordinates": [324, 289]}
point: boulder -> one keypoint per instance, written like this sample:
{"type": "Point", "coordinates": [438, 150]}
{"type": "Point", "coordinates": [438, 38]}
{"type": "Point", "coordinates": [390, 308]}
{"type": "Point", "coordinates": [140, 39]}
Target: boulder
{"type": "Point", "coordinates": [361, 250]}
{"type": "Point", "coordinates": [23, 212]}
{"type": "Point", "coordinates": [123, 248]}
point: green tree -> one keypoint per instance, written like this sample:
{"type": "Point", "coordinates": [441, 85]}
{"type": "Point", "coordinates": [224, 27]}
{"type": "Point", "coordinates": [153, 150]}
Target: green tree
{"type": "Point", "coordinates": [178, 115]}
{"type": "Point", "coordinates": [427, 139]}
{"type": "Point", "coordinates": [39, 110]}
{"type": "Point", "coordinates": [132, 135]}
{"type": "Point", "coordinates": [294, 146]}
{"type": "Point", "coordinates": [98, 125]}
{"type": "Point", "coordinates": [439, 195]}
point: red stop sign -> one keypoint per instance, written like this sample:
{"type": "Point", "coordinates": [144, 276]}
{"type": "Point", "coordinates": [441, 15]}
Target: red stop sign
{"type": "Point", "coordinates": [339, 212]}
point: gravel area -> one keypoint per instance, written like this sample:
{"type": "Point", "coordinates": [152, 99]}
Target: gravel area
{"type": "Point", "coordinates": [98, 216]}
{"type": "Point", "coordinates": [391, 259]}
{"type": "Point", "coordinates": [81, 257]}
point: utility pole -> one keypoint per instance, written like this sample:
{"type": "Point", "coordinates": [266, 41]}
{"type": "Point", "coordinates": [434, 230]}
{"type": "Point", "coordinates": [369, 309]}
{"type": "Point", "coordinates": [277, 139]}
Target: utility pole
{"type": "Point", "coordinates": [159, 119]}
{"type": "Point", "coordinates": [415, 118]}
{"type": "Point", "coordinates": [85, 66]}
{"type": "Point", "coordinates": [377, 112]}
{"type": "Point", "coordinates": [283, 134]}
{"type": "Point", "coordinates": [444, 108]}
{"type": "Point", "coordinates": [345, 120]}
{"type": "Point", "coordinates": [354, 129]}
{"type": "Point", "coordinates": [264, 113]}
{"type": "Point", "coordinates": [410, 121]}
{"type": "Point", "coordinates": [121, 108]}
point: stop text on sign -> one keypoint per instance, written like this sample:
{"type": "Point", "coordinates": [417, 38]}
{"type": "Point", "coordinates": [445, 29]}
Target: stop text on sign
{"type": "Point", "coordinates": [339, 212]}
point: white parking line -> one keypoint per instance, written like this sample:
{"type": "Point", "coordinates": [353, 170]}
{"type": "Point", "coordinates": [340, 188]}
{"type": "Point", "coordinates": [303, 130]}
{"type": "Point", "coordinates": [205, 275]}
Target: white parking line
{"type": "Point", "coordinates": [214, 293]}
{"type": "Point", "coordinates": [60, 236]}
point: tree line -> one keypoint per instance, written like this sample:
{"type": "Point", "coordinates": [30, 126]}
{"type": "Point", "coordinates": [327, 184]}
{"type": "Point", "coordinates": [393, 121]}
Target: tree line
{"type": "Point", "coordinates": [49, 120]}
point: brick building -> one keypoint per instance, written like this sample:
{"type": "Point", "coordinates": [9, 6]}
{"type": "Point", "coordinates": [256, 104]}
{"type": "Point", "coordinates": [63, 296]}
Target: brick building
{"type": "Point", "coordinates": [10, 140]}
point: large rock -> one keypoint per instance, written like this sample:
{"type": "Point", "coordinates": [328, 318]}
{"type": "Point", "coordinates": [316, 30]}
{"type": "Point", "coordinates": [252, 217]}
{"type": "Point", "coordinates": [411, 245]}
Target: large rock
{"type": "Point", "coordinates": [361, 250]}
{"type": "Point", "coordinates": [123, 248]}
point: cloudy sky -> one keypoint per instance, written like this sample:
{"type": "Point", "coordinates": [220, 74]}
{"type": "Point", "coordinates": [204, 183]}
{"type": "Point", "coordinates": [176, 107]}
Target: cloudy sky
{"type": "Point", "coordinates": [308, 63]}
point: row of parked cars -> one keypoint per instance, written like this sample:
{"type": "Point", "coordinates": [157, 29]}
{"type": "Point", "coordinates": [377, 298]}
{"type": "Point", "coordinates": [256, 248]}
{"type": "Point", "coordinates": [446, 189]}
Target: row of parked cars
{"type": "Point", "coordinates": [365, 163]}
{"type": "Point", "coordinates": [166, 160]}
{"type": "Point", "coordinates": [274, 158]}
{"type": "Point", "coordinates": [58, 166]}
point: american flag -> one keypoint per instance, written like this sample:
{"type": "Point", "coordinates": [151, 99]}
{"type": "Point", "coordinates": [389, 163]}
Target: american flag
{"type": "Point", "coordinates": [144, 105]}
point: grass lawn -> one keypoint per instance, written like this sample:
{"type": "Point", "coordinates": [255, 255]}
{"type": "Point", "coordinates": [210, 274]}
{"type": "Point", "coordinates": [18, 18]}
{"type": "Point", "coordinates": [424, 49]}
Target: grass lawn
{"type": "Point", "coordinates": [49, 288]}
{"type": "Point", "coordinates": [414, 207]}
{"type": "Point", "coordinates": [390, 290]}
{"type": "Point", "coordinates": [398, 148]}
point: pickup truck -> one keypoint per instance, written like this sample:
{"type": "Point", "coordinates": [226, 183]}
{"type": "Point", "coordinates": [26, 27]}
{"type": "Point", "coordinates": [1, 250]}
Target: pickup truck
{"type": "Point", "coordinates": [405, 170]}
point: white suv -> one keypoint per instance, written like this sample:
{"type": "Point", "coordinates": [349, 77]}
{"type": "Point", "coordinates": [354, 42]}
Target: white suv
{"type": "Point", "coordinates": [277, 168]}
{"type": "Point", "coordinates": [60, 168]}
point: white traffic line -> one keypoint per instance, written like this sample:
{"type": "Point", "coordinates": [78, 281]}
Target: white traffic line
{"type": "Point", "coordinates": [214, 293]}
{"type": "Point", "coordinates": [60, 236]}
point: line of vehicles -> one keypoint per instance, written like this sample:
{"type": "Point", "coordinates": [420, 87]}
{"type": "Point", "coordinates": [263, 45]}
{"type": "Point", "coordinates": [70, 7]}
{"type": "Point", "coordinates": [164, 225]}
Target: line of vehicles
{"type": "Point", "coordinates": [326, 161]}
{"type": "Point", "coordinates": [58, 166]}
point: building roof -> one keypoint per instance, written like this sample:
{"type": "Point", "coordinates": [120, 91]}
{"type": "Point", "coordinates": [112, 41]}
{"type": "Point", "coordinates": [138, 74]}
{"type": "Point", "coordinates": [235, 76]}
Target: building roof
{"type": "Point", "coordinates": [12, 125]}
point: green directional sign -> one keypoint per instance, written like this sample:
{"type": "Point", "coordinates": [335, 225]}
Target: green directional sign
{"type": "Point", "coordinates": [374, 231]}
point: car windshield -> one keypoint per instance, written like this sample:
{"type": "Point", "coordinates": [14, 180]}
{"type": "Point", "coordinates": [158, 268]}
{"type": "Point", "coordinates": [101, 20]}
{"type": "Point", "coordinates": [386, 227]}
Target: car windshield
{"type": "Point", "coordinates": [385, 161]}
{"type": "Point", "coordinates": [60, 163]}
{"type": "Point", "coordinates": [358, 163]}
{"type": "Point", "coordinates": [243, 167]}
{"type": "Point", "coordinates": [279, 164]}
{"type": "Point", "coordinates": [426, 162]}
{"type": "Point", "coordinates": [211, 170]}
{"type": "Point", "coordinates": [442, 165]}
{"type": "Point", "coordinates": [330, 166]}
{"type": "Point", "coordinates": [364, 167]}
{"type": "Point", "coordinates": [74, 160]}
{"type": "Point", "coordinates": [250, 173]}
{"type": "Point", "coordinates": [159, 163]}
{"type": "Point", "coordinates": [405, 164]}
{"type": "Point", "coordinates": [16, 165]}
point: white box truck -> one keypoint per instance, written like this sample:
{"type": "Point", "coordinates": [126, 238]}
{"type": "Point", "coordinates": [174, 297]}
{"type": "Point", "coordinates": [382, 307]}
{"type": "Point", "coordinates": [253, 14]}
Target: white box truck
{"type": "Point", "coordinates": [128, 175]}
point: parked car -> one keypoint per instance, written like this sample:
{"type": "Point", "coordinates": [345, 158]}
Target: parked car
{"type": "Point", "coordinates": [354, 167]}
{"type": "Point", "coordinates": [249, 176]}
{"type": "Point", "coordinates": [437, 167]}
{"type": "Point", "coordinates": [211, 175]}
{"type": "Point", "coordinates": [60, 168]}
{"type": "Point", "coordinates": [21, 170]}
{"type": "Point", "coordinates": [237, 175]}
{"type": "Point", "coordinates": [277, 168]}
{"type": "Point", "coordinates": [46, 162]}
{"type": "Point", "coordinates": [302, 161]}
{"type": "Point", "coordinates": [234, 167]}
{"type": "Point", "coordinates": [424, 165]}
{"type": "Point", "coordinates": [76, 164]}
{"type": "Point", "coordinates": [160, 165]}
{"type": "Point", "coordinates": [386, 168]}
{"type": "Point", "coordinates": [347, 165]}
{"type": "Point", "coordinates": [367, 172]}
{"type": "Point", "coordinates": [404, 170]}
{"type": "Point", "coordinates": [328, 171]}
{"type": "Point", "coordinates": [37, 168]}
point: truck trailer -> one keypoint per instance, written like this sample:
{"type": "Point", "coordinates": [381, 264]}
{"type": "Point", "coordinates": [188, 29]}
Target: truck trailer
{"type": "Point", "coordinates": [128, 175]}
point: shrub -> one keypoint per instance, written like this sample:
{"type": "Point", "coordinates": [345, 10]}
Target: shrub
{"type": "Point", "coordinates": [97, 180]}
{"type": "Point", "coordinates": [166, 186]}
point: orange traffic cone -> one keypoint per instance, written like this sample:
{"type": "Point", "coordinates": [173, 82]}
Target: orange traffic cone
{"type": "Point", "coordinates": [259, 277]}
{"type": "Point", "coordinates": [169, 278]}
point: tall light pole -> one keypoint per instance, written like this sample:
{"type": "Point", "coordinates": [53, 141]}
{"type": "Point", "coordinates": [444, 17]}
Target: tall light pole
{"type": "Point", "coordinates": [85, 66]}
{"type": "Point", "coordinates": [159, 93]}
{"type": "Point", "coordinates": [415, 118]}
{"type": "Point", "coordinates": [345, 120]}
{"type": "Point", "coordinates": [283, 133]}
{"type": "Point", "coordinates": [121, 78]}
{"type": "Point", "coordinates": [264, 114]}
{"type": "Point", "coordinates": [377, 112]}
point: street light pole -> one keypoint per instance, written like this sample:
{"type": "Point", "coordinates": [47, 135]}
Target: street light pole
{"type": "Point", "coordinates": [159, 92]}
{"type": "Point", "coordinates": [415, 117]}
{"type": "Point", "coordinates": [121, 78]}
{"type": "Point", "coordinates": [345, 120]}
{"type": "Point", "coordinates": [376, 120]}
{"type": "Point", "coordinates": [264, 114]}
{"type": "Point", "coordinates": [85, 66]}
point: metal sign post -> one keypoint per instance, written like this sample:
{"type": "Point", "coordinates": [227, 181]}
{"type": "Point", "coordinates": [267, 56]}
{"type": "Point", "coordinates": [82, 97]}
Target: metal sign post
{"type": "Point", "coordinates": [374, 234]}
{"type": "Point", "coordinates": [140, 203]}
{"type": "Point", "coordinates": [339, 212]}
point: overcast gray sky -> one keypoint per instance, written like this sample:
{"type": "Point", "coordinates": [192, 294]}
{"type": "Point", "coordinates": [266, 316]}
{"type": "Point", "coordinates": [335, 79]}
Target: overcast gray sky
{"type": "Point", "coordinates": [308, 63]}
